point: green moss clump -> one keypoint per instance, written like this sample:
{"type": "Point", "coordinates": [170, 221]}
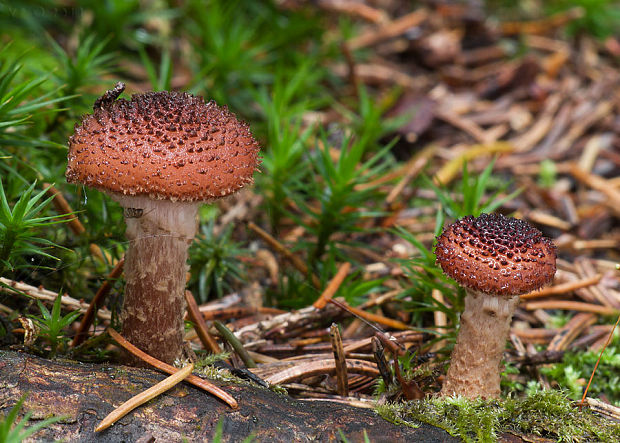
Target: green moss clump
{"type": "Point", "coordinates": [544, 413]}
{"type": "Point", "coordinates": [576, 366]}
{"type": "Point", "coordinates": [205, 366]}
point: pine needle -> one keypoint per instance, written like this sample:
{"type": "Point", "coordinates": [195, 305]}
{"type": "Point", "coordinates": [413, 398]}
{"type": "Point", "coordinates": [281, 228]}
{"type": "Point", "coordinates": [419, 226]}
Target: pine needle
{"type": "Point", "coordinates": [145, 396]}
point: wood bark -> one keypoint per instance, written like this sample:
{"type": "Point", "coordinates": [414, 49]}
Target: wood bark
{"type": "Point", "coordinates": [86, 393]}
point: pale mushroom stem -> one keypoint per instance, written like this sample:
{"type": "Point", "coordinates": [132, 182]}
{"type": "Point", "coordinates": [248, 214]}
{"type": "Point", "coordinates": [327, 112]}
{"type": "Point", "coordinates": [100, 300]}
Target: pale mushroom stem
{"type": "Point", "coordinates": [475, 362]}
{"type": "Point", "coordinates": [159, 234]}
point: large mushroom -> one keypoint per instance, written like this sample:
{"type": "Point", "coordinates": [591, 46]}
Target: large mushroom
{"type": "Point", "coordinates": [496, 259]}
{"type": "Point", "coordinates": [160, 155]}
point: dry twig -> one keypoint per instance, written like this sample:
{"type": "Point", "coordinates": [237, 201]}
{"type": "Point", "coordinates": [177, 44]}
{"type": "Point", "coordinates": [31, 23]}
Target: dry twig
{"type": "Point", "coordinates": [333, 286]}
{"type": "Point", "coordinates": [340, 361]}
{"type": "Point", "coordinates": [208, 342]}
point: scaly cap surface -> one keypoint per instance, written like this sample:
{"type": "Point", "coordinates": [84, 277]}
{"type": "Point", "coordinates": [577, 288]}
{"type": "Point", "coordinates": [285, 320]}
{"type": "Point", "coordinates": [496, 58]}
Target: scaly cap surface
{"type": "Point", "coordinates": [495, 254]}
{"type": "Point", "coordinates": [166, 145]}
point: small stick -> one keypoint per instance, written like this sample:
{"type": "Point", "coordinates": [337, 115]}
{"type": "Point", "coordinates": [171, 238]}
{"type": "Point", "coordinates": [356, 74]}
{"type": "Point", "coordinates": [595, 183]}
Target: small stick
{"type": "Point", "coordinates": [599, 184]}
{"type": "Point", "coordinates": [62, 206]}
{"type": "Point", "coordinates": [534, 169]}
{"type": "Point", "coordinates": [196, 381]}
{"type": "Point", "coordinates": [320, 367]}
{"type": "Point", "coordinates": [451, 169]}
{"type": "Point", "coordinates": [145, 396]}
{"type": "Point", "coordinates": [413, 169]}
{"type": "Point", "coordinates": [517, 344]}
{"type": "Point", "coordinates": [241, 311]}
{"type": "Point", "coordinates": [382, 365]}
{"type": "Point", "coordinates": [465, 125]}
{"type": "Point", "coordinates": [391, 343]}
{"type": "Point", "coordinates": [404, 337]}
{"type": "Point", "coordinates": [563, 288]}
{"type": "Point", "coordinates": [355, 9]}
{"type": "Point", "coordinates": [304, 316]}
{"type": "Point", "coordinates": [96, 303]}
{"type": "Point", "coordinates": [542, 127]}
{"type": "Point", "coordinates": [381, 73]}
{"type": "Point", "coordinates": [380, 299]}
{"type": "Point", "coordinates": [279, 247]}
{"type": "Point", "coordinates": [44, 294]}
{"type": "Point", "coordinates": [398, 173]}
{"type": "Point", "coordinates": [333, 286]}
{"type": "Point", "coordinates": [571, 331]}
{"type": "Point", "coordinates": [389, 30]}
{"type": "Point", "coordinates": [207, 340]}
{"type": "Point", "coordinates": [592, 149]}
{"type": "Point", "coordinates": [601, 408]}
{"type": "Point", "coordinates": [535, 335]}
{"type": "Point", "coordinates": [340, 360]}
{"type": "Point", "coordinates": [542, 26]}
{"type": "Point", "coordinates": [371, 317]}
{"type": "Point", "coordinates": [350, 60]}
{"type": "Point", "coordinates": [597, 111]}
{"type": "Point", "coordinates": [585, 268]}
{"type": "Point", "coordinates": [570, 306]}
{"type": "Point", "coordinates": [541, 217]}
{"type": "Point", "coordinates": [441, 319]}
{"type": "Point", "coordinates": [235, 343]}
{"type": "Point", "coordinates": [535, 359]}
{"type": "Point", "coordinates": [597, 243]}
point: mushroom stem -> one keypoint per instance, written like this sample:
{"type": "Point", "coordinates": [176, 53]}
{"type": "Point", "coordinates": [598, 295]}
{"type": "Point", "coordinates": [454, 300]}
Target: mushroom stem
{"type": "Point", "coordinates": [475, 362]}
{"type": "Point", "coordinates": [159, 234]}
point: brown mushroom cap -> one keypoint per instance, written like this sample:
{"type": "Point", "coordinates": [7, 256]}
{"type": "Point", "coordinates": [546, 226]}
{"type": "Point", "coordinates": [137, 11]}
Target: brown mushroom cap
{"type": "Point", "coordinates": [165, 145]}
{"type": "Point", "coordinates": [494, 254]}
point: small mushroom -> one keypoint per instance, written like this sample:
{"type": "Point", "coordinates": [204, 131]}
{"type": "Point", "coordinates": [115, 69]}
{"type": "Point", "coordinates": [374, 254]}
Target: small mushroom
{"type": "Point", "coordinates": [160, 155]}
{"type": "Point", "coordinates": [496, 259]}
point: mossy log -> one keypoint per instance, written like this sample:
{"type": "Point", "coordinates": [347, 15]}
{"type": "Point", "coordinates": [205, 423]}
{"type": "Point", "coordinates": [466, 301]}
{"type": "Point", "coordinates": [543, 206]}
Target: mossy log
{"type": "Point", "coordinates": [86, 393]}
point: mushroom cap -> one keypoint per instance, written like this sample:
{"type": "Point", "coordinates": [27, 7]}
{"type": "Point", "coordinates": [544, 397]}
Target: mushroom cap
{"type": "Point", "coordinates": [496, 255]}
{"type": "Point", "coordinates": [165, 145]}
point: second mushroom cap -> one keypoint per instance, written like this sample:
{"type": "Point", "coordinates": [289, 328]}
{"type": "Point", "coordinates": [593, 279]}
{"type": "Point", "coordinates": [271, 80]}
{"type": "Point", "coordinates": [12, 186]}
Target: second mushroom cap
{"type": "Point", "coordinates": [495, 254]}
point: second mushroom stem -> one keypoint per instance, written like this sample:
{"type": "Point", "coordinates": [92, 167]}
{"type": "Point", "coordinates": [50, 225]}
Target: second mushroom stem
{"type": "Point", "coordinates": [474, 366]}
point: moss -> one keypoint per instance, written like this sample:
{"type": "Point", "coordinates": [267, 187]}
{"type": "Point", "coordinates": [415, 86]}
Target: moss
{"type": "Point", "coordinates": [549, 414]}
{"type": "Point", "coordinates": [576, 367]}
{"type": "Point", "coordinates": [220, 374]}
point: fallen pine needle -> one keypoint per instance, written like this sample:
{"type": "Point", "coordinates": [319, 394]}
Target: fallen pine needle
{"type": "Point", "coordinates": [388, 30]}
{"type": "Point", "coordinates": [370, 317]}
{"type": "Point", "coordinates": [321, 367]}
{"type": "Point", "coordinates": [145, 396]}
{"type": "Point", "coordinates": [562, 288]}
{"type": "Point", "coordinates": [297, 262]}
{"type": "Point", "coordinates": [333, 286]}
{"type": "Point", "coordinates": [207, 340]}
{"type": "Point", "coordinates": [451, 169]}
{"type": "Point", "coordinates": [569, 306]}
{"type": "Point", "coordinates": [196, 381]}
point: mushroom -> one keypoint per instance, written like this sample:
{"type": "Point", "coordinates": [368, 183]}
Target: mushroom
{"type": "Point", "coordinates": [496, 259]}
{"type": "Point", "coordinates": [160, 155]}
